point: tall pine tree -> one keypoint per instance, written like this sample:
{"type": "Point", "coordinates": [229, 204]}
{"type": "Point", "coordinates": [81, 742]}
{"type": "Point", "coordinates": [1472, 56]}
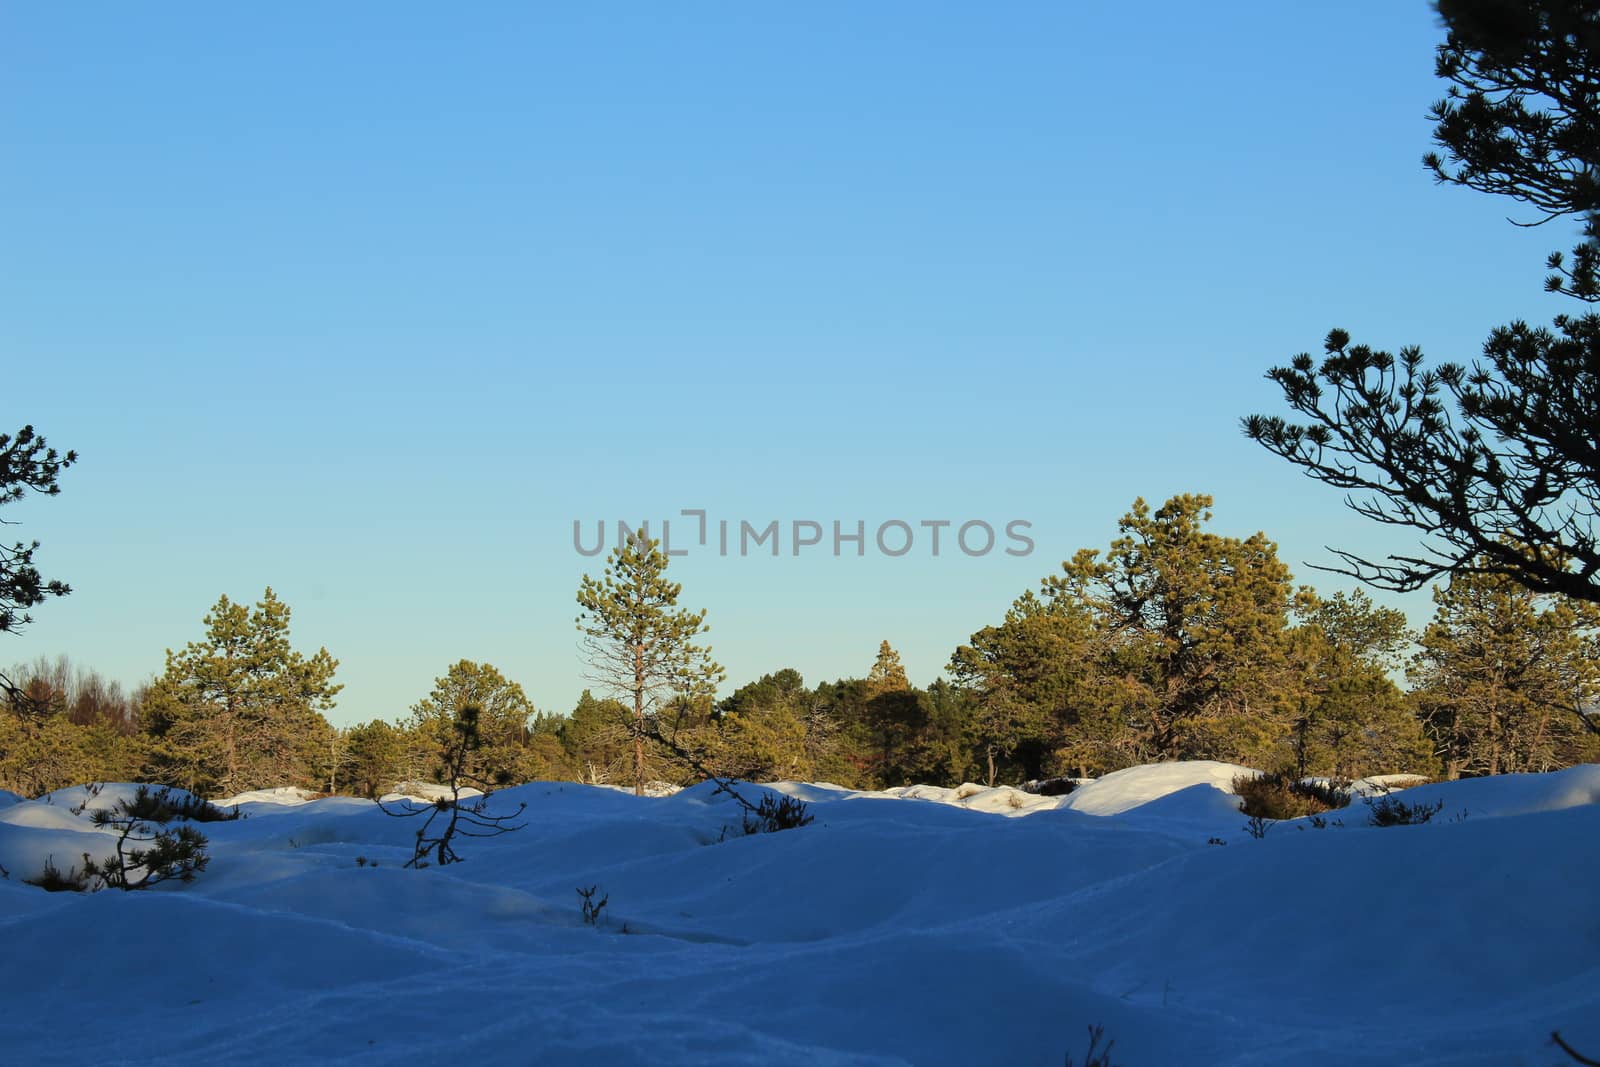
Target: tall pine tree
{"type": "Point", "coordinates": [240, 709]}
{"type": "Point", "coordinates": [640, 644]}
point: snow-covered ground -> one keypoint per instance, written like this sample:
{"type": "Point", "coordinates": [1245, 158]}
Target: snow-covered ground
{"type": "Point", "coordinates": [920, 926]}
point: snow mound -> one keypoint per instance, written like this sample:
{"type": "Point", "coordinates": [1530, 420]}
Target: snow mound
{"type": "Point", "coordinates": [426, 792]}
{"type": "Point", "coordinates": [283, 794]}
{"type": "Point", "coordinates": [1123, 791]}
{"type": "Point", "coordinates": [1379, 784]}
{"type": "Point", "coordinates": [103, 796]}
{"type": "Point", "coordinates": [997, 800]}
{"type": "Point", "coordinates": [651, 789]}
{"type": "Point", "coordinates": [864, 938]}
{"type": "Point", "coordinates": [1512, 794]}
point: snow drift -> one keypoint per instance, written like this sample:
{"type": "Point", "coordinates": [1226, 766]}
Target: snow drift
{"type": "Point", "coordinates": [917, 926]}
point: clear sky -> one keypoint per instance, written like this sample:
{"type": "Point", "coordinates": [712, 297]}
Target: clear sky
{"type": "Point", "coordinates": [369, 301]}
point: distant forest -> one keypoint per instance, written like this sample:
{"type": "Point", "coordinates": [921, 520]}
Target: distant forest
{"type": "Point", "coordinates": [1173, 642]}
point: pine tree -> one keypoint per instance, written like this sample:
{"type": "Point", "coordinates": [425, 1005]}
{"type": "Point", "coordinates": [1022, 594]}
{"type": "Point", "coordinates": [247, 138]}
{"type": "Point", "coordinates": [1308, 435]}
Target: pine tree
{"type": "Point", "coordinates": [1194, 627]}
{"type": "Point", "coordinates": [597, 740]}
{"type": "Point", "coordinates": [639, 643]}
{"type": "Point", "coordinates": [776, 728]}
{"type": "Point", "coordinates": [1496, 464]}
{"type": "Point", "coordinates": [1505, 675]}
{"type": "Point", "coordinates": [375, 757]}
{"type": "Point", "coordinates": [501, 752]}
{"type": "Point", "coordinates": [27, 464]}
{"type": "Point", "coordinates": [1347, 718]}
{"type": "Point", "coordinates": [241, 709]}
{"type": "Point", "coordinates": [458, 814]}
{"type": "Point", "coordinates": [1036, 682]}
{"type": "Point", "coordinates": [887, 675]}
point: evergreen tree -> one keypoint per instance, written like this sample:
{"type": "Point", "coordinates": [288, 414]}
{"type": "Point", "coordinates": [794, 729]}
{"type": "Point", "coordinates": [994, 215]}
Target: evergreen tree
{"type": "Point", "coordinates": [27, 464]}
{"type": "Point", "coordinates": [1036, 683]}
{"type": "Point", "coordinates": [859, 750]}
{"type": "Point", "coordinates": [597, 740]}
{"type": "Point", "coordinates": [1363, 725]}
{"type": "Point", "coordinates": [777, 708]}
{"type": "Point", "coordinates": [894, 717]}
{"type": "Point", "coordinates": [764, 731]}
{"type": "Point", "coordinates": [639, 643]}
{"type": "Point", "coordinates": [1350, 720]}
{"type": "Point", "coordinates": [1194, 625]}
{"type": "Point", "coordinates": [241, 709]}
{"type": "Point", "coordinates": [456, 815]}
{"type": "Point", "coordinates": [1508, 482]}
{"type": "Point", "coordinates": [942, 751]}
{"type": "Point", "coordinates": [501, 750]}
{"type": "Point", "coordinates": [1505, 675]}
{"type": "Point", "coordinates": [375, 757]}
{"type": "Point", "coordinates": [1371, 635]}
{"type": "Point", "coordinates": [887, 675]}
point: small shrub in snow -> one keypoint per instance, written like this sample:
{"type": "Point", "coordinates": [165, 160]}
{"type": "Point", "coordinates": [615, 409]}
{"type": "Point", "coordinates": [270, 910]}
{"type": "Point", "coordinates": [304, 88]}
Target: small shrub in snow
{"type": "Point", "coordinates": [1095, 1055]}
{"type": "Point", "coordinates": [1392, 811]}
{"type": "Point", "coordinates": [1283, 795]}
{"type": "Point", "coordinates": [54, 880]}
{"type": "Point", "coordinates": [591, 907]}
{"type": "Point", "coordinates": [1257, 827]}
{"type": "Point", "coordinates": [146, 856]}
{"type": "Point", "coordinates": [774, 814]}
{"type": "Point", "coordinates": [162, 806]}
{"type": "Point", "coordinates": [1215, 841]}
{"type": "Point", "coordinates": [465, 820]}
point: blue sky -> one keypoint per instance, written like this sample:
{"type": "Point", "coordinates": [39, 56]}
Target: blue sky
{"type": "Point", "coordinates": [368, 302]}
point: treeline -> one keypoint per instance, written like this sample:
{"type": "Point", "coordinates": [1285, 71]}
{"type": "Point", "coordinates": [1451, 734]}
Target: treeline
{"type": "Point", "coordinates": [1172, 643]}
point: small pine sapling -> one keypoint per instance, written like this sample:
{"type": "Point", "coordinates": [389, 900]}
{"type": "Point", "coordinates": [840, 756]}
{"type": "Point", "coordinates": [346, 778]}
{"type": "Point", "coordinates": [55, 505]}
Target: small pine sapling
{"type": "Point", "coordinates": [449, 814]}
{"type": "Point", "coordinates": [162, 806]}
{"type": "Point", "coordinates": [146, 856]}
{"type": "Point", "coordinates": [1095, 1055]}
{"type": "Point", "coordinates": [1392, 811]}
{"type": "Point", "coordinates": [591, 907]}
{"type": "Point", "coordinates": [769, 816]}
{"type": "Point", "coordinates": [53, 879]}
{"type": "Point", "coordinates": [774, 814]}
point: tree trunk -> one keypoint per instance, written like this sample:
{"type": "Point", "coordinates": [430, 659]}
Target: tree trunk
{"type": "Point", "coordinates": [638, 721]}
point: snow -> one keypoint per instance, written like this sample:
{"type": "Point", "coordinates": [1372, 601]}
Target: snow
{"type": "Point", "coordinates": [1123, 791]}
{"type": "Point", "coordinates": [915, 926]}
{"type": "Point", "coordinates": [998, 800]}
{"type": "Point", "coordinates": [427, 792]}
{"type": "Point", "coordinates": [284, 794]}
